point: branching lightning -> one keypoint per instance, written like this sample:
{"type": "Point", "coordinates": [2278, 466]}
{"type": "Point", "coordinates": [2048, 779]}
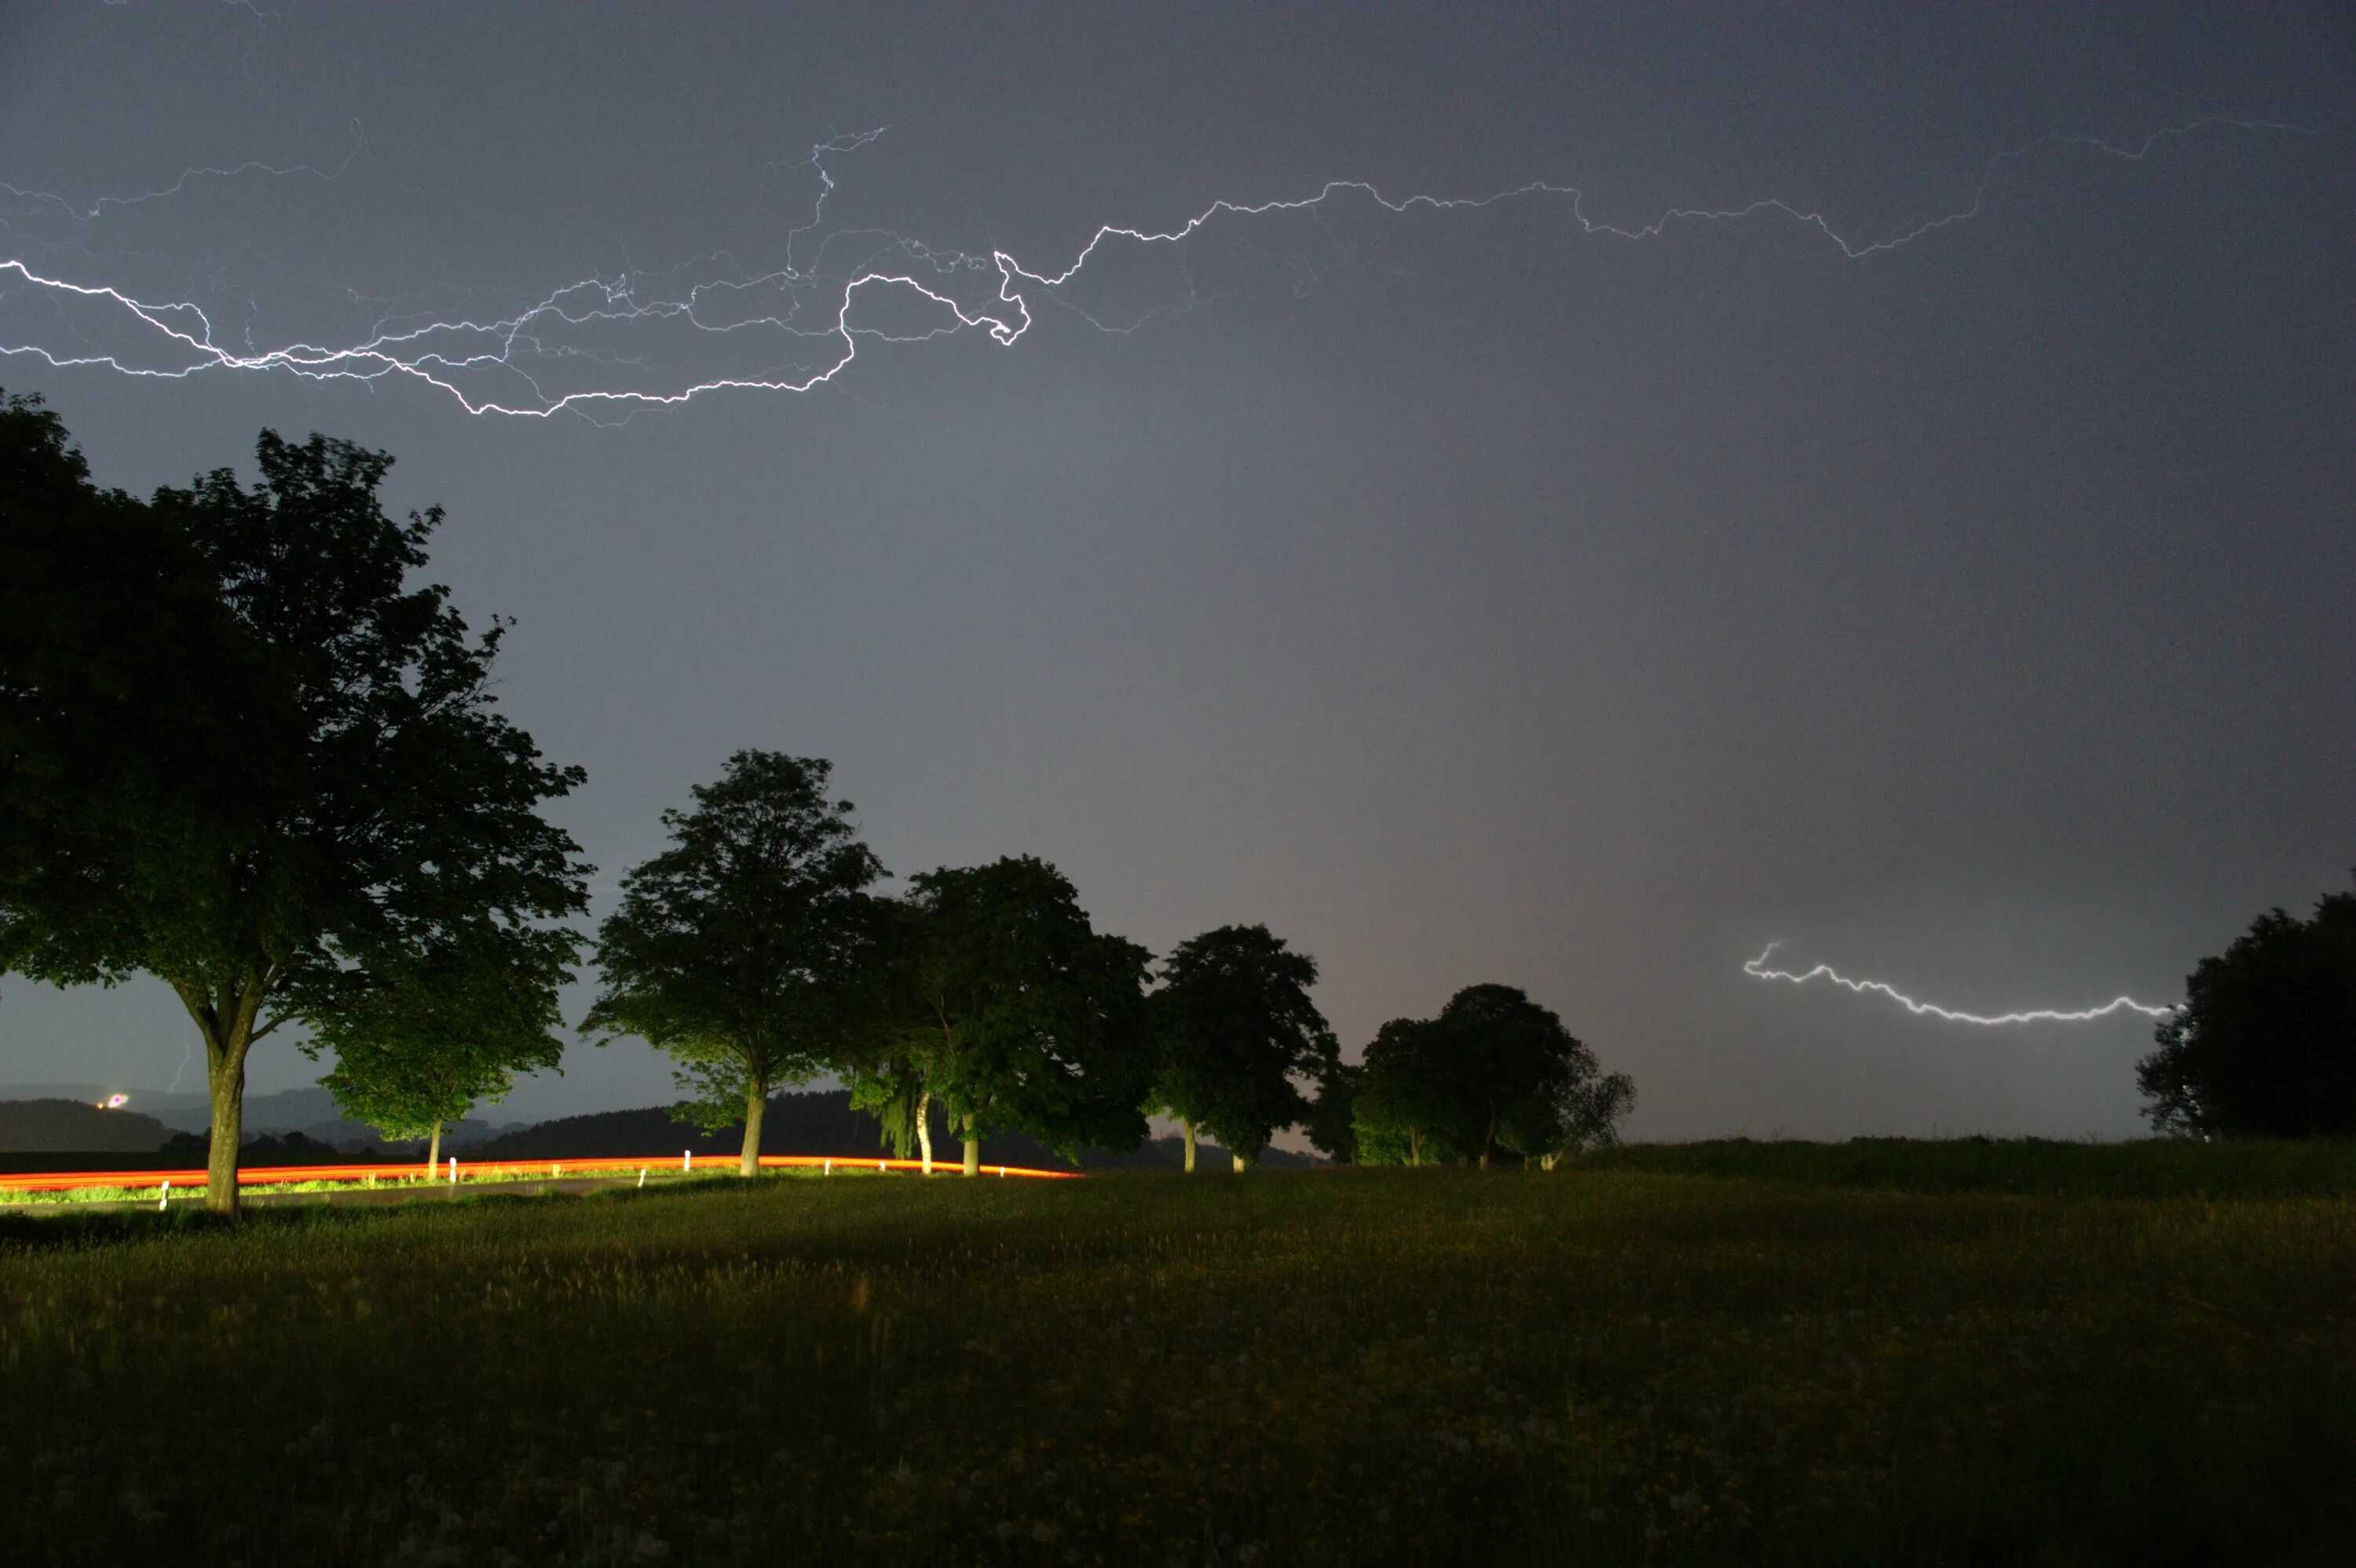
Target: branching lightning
{"type": "Point", "coordinates": [1758, 970]}
{"type": "Point", "coordinates": [101, 206]}
{"type": "Point", "coordinates": [517, 363]}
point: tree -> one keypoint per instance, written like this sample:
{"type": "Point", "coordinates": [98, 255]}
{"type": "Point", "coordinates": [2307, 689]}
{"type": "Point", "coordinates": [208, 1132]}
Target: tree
{"type": "Point", "coordinates": [1017, 1013]}
{"type": "Point", "coordinates": [423, 1036]}
{"type": "Point", "coordinates": [1233, 1027]}
{"type": "Point", "coordinates": [1503, 1051]}
{"type": "Point", "coordinates": [2265, 1043]}
{"type": "Point", "coordinates": [1580, 1108]}
{"type": "Point", "coordinates": [309, 770]}
{"type": "Point", "coordinates": [1495, 1071]}
{"type": "Point", "coordinates": [886, 1077]}
{"type": "Point", "coordinates": [739, 950]}
{"type": "Point", "coordinates": [1408, 1104]}
{"type": "Point", "coordinates": [1331, 1116]}
{"type": "Point", "coordinates": [120, 671]}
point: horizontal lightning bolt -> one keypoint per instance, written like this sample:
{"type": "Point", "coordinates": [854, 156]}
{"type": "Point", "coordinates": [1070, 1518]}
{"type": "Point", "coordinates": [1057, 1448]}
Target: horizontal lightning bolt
{"type": "Point", "coordinates": [1757, 969]}
{"type": "Point", "coordinates": [182, 340]}
{"type": "Point", "coordinates": [101, 206]}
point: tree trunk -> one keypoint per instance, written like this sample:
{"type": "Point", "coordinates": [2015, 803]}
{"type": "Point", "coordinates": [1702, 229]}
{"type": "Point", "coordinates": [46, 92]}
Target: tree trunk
{"type": "Point", "coordinates": [1414, 1146]}
{"type": "Point", "coordinates": [1190, 1147]}
{"type": "Point", "coordinates": [1242, 1164]}
{"type": "Point", "coordinates": [757, 1100]}
{"type": "Point", "coordinates": [972, 1147]}
{"type": "Point", "coordinates": [225, 1081]}
{"type": "Point", "coordinates": [924, 1128]}
{"type": "Point", "coordinates": [225, 1021]}
{"type": "Point", "coordinates": [434, 1150]}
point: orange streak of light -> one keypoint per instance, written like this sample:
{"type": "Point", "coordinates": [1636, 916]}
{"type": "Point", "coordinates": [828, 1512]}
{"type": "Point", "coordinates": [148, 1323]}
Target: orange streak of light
{"type": "Point", "coordinates": [502, 1170]}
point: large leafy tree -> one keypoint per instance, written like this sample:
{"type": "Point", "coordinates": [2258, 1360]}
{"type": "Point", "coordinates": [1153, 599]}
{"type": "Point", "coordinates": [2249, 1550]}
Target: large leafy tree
{"type": "Point", "coordinates": [1233, 1027]}
{"type": "Point", "coordinates": [2265, 1044]}
{"type": "Point", "coordinates": [418, 1037]}
{"type": "Point", "coordinates": [1018, 1014]}
{"type": "Point", "coordinates": [1493, 1070]}
{"type": "Point", "coordinates": [120, 674]}
{"type": "Point", "coordinates": [298, 769]}
{"type": "Point", "coordinates": [1579, 1107]}
{"type": "Point", "coordinates": [740, 950]}
{"type": "Point", "coordinates": [1409, 1106]}
{"type": "Point", "coordinates": [1505, 1051]}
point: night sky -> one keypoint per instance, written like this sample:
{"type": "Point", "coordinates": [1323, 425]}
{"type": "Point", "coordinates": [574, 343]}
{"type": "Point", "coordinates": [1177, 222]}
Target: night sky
{"type": "Point", "coordinates": [1465, 594]}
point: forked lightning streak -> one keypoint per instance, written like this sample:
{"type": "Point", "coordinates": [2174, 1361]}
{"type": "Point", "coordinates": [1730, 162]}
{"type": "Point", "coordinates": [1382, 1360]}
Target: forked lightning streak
{"type": "Point", "coordinates": [1758, 970]}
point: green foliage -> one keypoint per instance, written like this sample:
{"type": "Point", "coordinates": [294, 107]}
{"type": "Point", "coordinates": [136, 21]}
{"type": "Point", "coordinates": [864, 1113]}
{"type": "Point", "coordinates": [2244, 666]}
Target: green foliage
{"type": "Point", "coordinates": [740, 951]}
{"type": "Point", "coordinates": [248, 757]}
{"type": "Point", "coordinates": [888, 1087]}
{"type": "Point", "coordinates": [1408, 1109]}
{"type": "Point", "coordinates": [2264, 1045]}
{"type": "Point", "coordinates": [1016, 1013]}
{"type": "Point", "coordinates": [121, 693]}
{"type": "Point", "coordinates": [1495, 1071]}
{"type": "Point", "coordinates": [1331, 1117]}
{"type": "Point", "coordinates": [1233, 1027]}
{"type": "Point", "coordinates": [419, 1037]}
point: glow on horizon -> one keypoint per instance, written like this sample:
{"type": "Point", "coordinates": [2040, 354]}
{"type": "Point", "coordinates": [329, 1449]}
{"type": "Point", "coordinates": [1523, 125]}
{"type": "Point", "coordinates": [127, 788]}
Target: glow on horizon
{"type": "Point", "coordinates": [1757, 969]}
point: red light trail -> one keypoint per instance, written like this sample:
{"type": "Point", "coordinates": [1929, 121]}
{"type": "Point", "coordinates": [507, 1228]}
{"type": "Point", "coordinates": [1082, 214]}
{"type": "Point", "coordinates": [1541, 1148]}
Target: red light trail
{"type": "Point", "coordinates": [412, 1172]}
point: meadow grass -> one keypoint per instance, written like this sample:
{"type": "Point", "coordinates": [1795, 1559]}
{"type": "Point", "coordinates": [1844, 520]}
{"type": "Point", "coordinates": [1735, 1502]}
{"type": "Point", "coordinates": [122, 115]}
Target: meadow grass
{"type": "Point", "coordinates": [1615, 1365]}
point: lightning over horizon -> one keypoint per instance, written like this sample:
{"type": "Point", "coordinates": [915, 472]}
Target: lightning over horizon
{"type": "Point", "coordinates": [558, 351]}
{"type": "Point", "coordinates": [1757, 969]}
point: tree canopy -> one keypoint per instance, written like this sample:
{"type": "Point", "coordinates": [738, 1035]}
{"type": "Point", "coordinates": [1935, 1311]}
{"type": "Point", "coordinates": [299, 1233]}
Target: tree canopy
{"type": "Point", "coordinates": [1017, 1013]}
{"type": "Point", "coordinates": [1232, 1028]}
{"type": "Point", "coordinates": [1331, 1122]}
{"type": "Point", "coordinates": [419, 1037]}
{"type": "Point", "coordinates": [1493, 1072]}
{"type": "Point", "coordinates": [1409, 1106]}
{"type": "Point", "coordinates": [247, 756]}
{"type": "Point", "coordinates": [740, 950]}
{"type": "Point", "coordinates": [2265, 1043]}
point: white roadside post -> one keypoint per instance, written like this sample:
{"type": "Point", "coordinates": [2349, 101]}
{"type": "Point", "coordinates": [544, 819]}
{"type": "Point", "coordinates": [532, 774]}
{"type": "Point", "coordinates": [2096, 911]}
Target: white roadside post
{"type": "Point", "coordinates": [642, 1176]}
{"type": "Point", "coordinates": [686, 1160]}
{"type": "Point", "coordinates": [454, 1170]}
{"type": "Point", "coordinates": [165, 1200]}
{"type": "Point", "coordinates": [829, 1167]}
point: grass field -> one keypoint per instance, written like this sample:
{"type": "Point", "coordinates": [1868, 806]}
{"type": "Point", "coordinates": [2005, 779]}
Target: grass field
{"type": "Point", "coordinates": [1730, 1353]}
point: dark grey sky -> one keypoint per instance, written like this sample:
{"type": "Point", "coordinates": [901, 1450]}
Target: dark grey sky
{"type": "Point", "coordinates": [1467, 597]}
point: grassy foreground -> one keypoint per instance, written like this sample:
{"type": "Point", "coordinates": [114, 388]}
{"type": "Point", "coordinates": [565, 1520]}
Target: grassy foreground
{"type": "Point", "coordinates": [1605, 1365]}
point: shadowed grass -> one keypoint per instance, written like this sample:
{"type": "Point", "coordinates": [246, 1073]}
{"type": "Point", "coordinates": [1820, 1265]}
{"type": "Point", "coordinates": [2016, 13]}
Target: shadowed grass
{"type": "Point", "coordinates": [1610, 1365]}
{"type": "Point", "coordinates": [2157, 1167]}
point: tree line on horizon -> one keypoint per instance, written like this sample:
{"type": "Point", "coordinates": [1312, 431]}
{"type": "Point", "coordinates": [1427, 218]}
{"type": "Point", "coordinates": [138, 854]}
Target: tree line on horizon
{"type": "Point", "coordinates": [756, 952]}
{"type": "Point", "coordinates": [243, 751]}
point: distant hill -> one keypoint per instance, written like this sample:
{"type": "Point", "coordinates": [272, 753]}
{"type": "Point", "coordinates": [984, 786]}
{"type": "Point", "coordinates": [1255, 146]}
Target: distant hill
{"type": "Point", "coordinates": [310, 1111]}
{"type": "Point", "coordinates": [815, 1122]}
{"type": "Point", "coordinates": [285, 1129]}
{"type": "Point", "coordinates": [188, 1111]}
{"type": "Point", "coordinates": [76, 1126]}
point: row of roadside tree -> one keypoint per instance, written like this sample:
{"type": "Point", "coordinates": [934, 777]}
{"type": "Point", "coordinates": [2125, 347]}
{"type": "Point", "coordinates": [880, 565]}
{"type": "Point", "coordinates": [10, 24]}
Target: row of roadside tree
{"type": "Point", "coordinates": [755, 950]}
{"type": "Point", "coordinates": [243, 751]}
